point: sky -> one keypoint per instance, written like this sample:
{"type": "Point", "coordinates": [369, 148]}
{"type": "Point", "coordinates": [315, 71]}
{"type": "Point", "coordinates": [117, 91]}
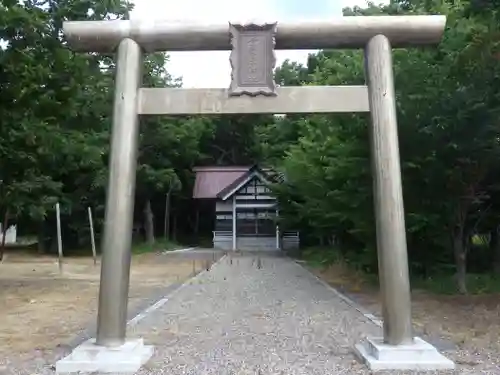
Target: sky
{"type": "Point", "coordinates": [212, 69]}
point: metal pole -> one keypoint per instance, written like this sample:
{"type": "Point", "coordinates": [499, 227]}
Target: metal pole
{"type": "Point", "coordinates": [92, 236]}
{"type": "Point", "coordinates": [59, 238]}
{"type": "Point", "coordinates": [117, 241]}
{"type": "Point", "coordinates": [165, 218]}
{"type": "Point", "coordinates": [278, 247]}
{"type": "Point", "coordinates": [234, 223]}
{"type": "Point", "coordinates": [388, 194]}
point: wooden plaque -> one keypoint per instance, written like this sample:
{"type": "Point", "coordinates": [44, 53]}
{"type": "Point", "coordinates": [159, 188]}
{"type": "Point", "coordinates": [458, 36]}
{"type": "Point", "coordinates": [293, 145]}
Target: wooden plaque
{"type": "Point", "coordinates": [252, 59]}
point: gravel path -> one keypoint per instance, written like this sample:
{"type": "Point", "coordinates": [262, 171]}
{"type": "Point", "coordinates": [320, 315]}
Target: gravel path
{"type": "Point", "coordinates": [242, 319]}
{"type": "Point", "coordinates": [252, 317]}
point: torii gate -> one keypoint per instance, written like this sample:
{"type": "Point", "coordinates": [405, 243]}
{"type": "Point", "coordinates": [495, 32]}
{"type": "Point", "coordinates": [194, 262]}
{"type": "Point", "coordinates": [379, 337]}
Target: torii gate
{"type": "Point", "coordinates": [253, 90]}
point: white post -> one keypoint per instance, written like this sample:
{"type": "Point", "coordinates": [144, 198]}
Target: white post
{"type": "Point", "coordinates": [165, 219]}
{"type": "Point", "coordinates": [234, 223]}
{"type": "Point", "coordinates": [59, 237]}
{"type": "Point", "coordinates": [278, 247]}
{"type": "Point", "coordinates": [92, 238]}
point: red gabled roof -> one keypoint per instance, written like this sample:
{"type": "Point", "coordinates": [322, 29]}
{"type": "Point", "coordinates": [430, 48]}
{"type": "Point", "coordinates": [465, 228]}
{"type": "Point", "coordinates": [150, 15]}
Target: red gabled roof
{"type": "Point", "coordinates": [210, 181]}
{"type": "Point", "coordinates": [242, 180]}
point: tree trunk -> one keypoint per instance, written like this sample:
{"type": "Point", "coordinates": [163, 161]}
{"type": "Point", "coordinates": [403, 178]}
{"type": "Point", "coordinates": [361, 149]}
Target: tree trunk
{"type": "Point", "coordinates": [197, 223]}
{"type": "Point", "coordinates": [460, 254]}
{"type": "Point", "coordinates": [41, 237]}
{"type": "Point", "coordinates": [495, 248]}
{"type": "Point", "coordinates": [149, 227]}
{"type": "Point", "coordinates": [332, 240]}
{"type": "Point", "coordinates": [174, 229]}
{"type": "Point", "coordinates": [5, 226]}
{"type": "Point", "coordinates": [166, 223]}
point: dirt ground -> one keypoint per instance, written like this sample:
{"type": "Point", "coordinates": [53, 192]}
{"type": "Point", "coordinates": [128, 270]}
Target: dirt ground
{"type": "Point", "coordinates": [41, 308]}
{"type": "Point", "coordinates": [469, 322]}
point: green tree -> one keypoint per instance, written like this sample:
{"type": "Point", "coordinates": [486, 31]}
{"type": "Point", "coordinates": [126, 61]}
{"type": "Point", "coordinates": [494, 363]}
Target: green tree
{"type": "Point", "coordinates": [447, 102]}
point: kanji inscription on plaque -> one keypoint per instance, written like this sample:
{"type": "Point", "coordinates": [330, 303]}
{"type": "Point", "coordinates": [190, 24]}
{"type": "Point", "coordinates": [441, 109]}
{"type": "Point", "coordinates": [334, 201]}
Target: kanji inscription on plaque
{"type": "Point", "coordinates": [252, 59]}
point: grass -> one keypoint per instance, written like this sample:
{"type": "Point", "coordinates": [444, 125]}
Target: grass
{"type": "Point", "coordinates": [320, 257]}
{"type": "Point", "coordinates": [480, 240]}
{"type": "Point", "coordinates": [49, 308]}
{"type": "Point", "coordinates": [445, 284]}
{"type": "Point", "coordinates": [137, 248]}
{"type": "Point", "coordinates": [159, 245]}
{"type": "Point", "coordinates": [205, 242]}
{"type": "Point", "coordinates": [442, 284]}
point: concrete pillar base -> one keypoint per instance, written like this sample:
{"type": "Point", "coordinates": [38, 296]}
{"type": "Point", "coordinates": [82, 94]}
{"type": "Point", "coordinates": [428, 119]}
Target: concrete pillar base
{"type": "Point", "coordinates": [418, 356]}
{"type": "Point", "coordinates": [92, 358]}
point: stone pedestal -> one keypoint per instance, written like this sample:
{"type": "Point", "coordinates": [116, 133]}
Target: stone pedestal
{"type": "Point", "coordinates": [419, 355]}
{"type": "Point", "coordinates": [90, 358]}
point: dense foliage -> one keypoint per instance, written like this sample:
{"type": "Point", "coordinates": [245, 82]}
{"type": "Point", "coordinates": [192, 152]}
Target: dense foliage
{"type": "Point", "coordinates": [448, 105]}
{"type": "Point", "coordinates": [56, 108]}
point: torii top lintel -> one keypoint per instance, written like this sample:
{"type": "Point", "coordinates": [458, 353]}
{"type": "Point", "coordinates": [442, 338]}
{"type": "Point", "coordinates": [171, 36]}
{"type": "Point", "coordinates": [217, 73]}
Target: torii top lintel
{"type": "Point", "coordinates": [342, 32]}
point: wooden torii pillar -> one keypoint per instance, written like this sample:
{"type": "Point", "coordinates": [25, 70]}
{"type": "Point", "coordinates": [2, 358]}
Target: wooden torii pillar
{"type": "Point", "coordinates": [253, 90]}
